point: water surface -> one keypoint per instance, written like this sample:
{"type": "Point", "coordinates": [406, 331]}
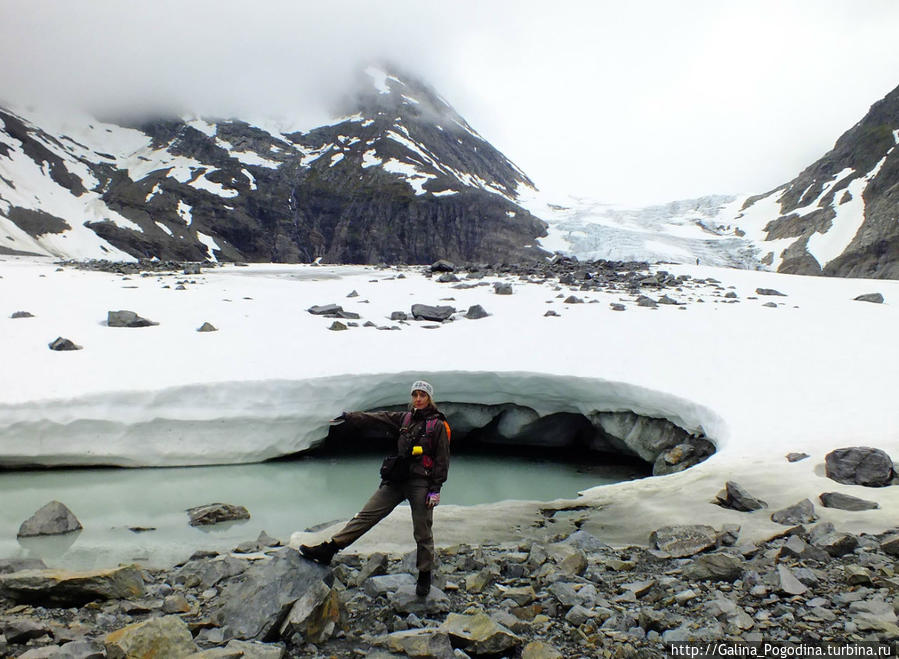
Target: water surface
{"type": "Point", "coordinates": [282, 497]}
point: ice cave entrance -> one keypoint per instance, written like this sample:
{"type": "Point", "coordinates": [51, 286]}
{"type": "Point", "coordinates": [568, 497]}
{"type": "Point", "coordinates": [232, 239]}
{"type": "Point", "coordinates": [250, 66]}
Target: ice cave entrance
{"type": "Point", "coordinates": [639, 445]}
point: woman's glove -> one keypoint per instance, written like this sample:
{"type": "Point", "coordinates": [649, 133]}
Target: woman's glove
{"type": "Point", "coordinates": [339, 419]}
{"type": "Point", "coordinates": [433, 499]}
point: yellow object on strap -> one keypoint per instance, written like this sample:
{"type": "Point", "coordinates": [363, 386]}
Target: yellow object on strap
{"type": "Point", "coordinates": [417, 450]}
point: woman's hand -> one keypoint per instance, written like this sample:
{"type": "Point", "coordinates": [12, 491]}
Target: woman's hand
{"type": "Point", "coordinates": [433, 499]}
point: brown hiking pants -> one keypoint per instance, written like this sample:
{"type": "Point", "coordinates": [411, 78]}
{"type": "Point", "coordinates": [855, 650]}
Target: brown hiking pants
{"type": "Point", "coordinates": [387, 497]}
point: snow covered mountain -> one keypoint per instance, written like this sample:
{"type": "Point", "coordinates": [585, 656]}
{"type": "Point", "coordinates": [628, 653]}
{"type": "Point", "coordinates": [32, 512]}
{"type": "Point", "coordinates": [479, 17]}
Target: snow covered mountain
{"type": "Point", "coordinates": [400, 178]}
{"type": "Point", "coordinates": [840, 216]}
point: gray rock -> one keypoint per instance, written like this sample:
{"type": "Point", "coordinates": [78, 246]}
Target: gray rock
{"type": "Point", "coordinates": [890, 545]}
{"type": "Point", "coordinates": [256, 649]}
{"type": "Point", "coordinates": [375, 586]}
{"type": "Point", "coordinates": [846, 501]}
{"type": "Point", "coordinates": [22, 314]}
{"type": "Point", "coordinates": [398, 315]}
{"type": "Point", "coordinates": [646, 301]}
{"type": "Point", "coordinates": [8, 565]}
{"type": "Point", "coordinates": [788, 583]}
{"type": "Point", "coordinates": [52, 519]}
{"type": "Point", "coordinates": [207, 572]}
{"type": "Point", "coordinates": [404, 600]}
{"type": "Point", "coordinates": [571, 299]}
{"type": "Point", "coordinates": [768, 291]}
{"type": "Point", "coordinates": [375, 565]}
{"type": "Point", "coordinates": [502, 289]}
{"type": "Point", "coordinates": [796, 457]}
{"type": "Point", "coordinates": [337, 326]}
{"type": "Point", "coordinates": [192, 269]}
{"type": "Point", "coordinates": [578, 615]}
{"type": "Point", "coordinates": [213, 513]}
{"type": "Point", "coordinates": [770, 305]}
{"type": "Point", "coordinates": [314, 616]}
{"type": "Point", "coordinates": [157, 637]}
{"type": "Point", "coordinates": [719, 566]}
{"type": "Point", "coordinates": [60, 344]}
{"type": "Point", "coordinates": [681, 541]}
{"type": "Point", "coordinates": [82, 649]}
{"type": "Point", "coordinates": [478, 634]}
{"type": "Point", "coordinates": [735, 497]}
{"type": "Point", "coordinates": [876, 298]}
{"type": "Point", "coordinates": [551, 314]}
{"type": "Point", "coordinates": [799, 513]}
{"type": "Point", "coordinates": [586, 542]}
{"type": "Point", "coordinates": [436, 314]}
{"type": "Point", "coordinates": [447, 278]}
{"type": "Point", "coordinates": [256, 603]}
{"type": "Point", "coordinates": [443, 266]}
{"type": "Point", "coordinates": [665, 299]}
{"type": "Point", "coordinates": [207, 327]}
{"type": "Point", "coordinates": [859, 465]}
{"type": "Point", "coordinates": [127, 319]}
{"type": "Point", "coordinates": [427, 643]}
{"type": "Point", "coordinates": [617, 306]}
{"type": "Point", "coordinates": [475, 312]}
{"type": "Point", "coordinates": [325, 309]}
{"type": "Point", "coordinates": [540, 650]}
{"type": "Point", "coordinates": [19, 631]}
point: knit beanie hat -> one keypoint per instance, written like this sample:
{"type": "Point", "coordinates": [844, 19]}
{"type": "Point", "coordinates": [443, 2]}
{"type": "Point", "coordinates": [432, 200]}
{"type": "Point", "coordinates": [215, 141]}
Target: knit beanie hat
{"type": "Point", "coordinates": [421, 385]}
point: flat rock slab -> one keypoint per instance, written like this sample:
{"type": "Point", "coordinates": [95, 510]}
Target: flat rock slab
{"type": "Point", "coordinates": [404, 600]}
{"type": "Point", "coordinates": [436, 314]}
{"type": "Point", "coordinates": [52, 519]}
{"type": "Point", "coordinates": [213, 513]}
{"type": "Point", "coordinates": [682, 541]}
{"type": "Point", "coordinates": [60, 587]}
{"type": "Point", "coordinates": [846, 501]}
{"type": "Point", "coordinates": [478, 634]}
{"type": "Point", "coordinates": [799, 513]}
{"type": "Point", "coordinates": [421, 643]}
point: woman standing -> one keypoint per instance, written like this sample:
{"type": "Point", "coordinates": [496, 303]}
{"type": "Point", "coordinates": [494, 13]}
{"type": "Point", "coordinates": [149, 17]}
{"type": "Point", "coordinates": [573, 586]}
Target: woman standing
{"type": "Point", "coordinates": [416, 473]}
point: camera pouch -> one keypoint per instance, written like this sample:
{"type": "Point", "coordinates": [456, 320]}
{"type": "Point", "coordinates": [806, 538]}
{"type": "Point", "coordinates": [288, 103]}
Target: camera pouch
{"type": "Point", "coordinates": [395, 468]}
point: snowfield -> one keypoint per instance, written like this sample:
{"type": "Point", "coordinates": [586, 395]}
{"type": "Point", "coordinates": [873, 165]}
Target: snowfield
{"type": "Point", "coordinates": [816, 373]}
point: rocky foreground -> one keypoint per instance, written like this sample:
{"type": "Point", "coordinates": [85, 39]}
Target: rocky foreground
{"type": "Point", "coordinates": [572, 596]}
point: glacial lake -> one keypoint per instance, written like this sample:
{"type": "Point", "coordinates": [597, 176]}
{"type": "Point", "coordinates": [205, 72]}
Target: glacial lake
{"type": "Point", "coordinates": [281, 496]}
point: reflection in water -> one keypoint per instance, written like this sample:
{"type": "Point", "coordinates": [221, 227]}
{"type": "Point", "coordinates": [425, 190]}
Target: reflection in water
{"type": "Point", "coordinates": [282, 497]}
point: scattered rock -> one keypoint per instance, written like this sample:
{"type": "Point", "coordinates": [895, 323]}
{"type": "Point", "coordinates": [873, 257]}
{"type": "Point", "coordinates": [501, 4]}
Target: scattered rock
{"type": "Point", "coordinates": [447, 278]}
{"type": "Point", "coordinates": [353, 293]}
{"type": "Point", "coordinates": [735, 497]}
{"type": "Point", "coordinates": [799, 513]}
{"type": "Point", "coordinates": [404, 600]}
{"type": "Point", "coordinates": [436, 314]}
{"type": "Point", "coordinates": [478, 634]}
{"type": "Point", "coordinates": [769, 291]}
{"type": "Point", "coordinates": [502, 288]}
{"type": "Point", "coordinates": [8, 565]}
{"type": "Point", "coordinates": [718, 566]}
{"type": "Point", "coordinates": [846, 501]}
{"type": "Point", "coordinates": [53, 518]}
{"type": "Point", "coordinates": [157, 637]}
{"type": "Point", "coordinates": [682, 541]}
{"type": "Point", "coordinates": [646, 301]}
{"type": "Point", "coordinates": [127, 319]}
{"type": "Point", "coordinates": [337, 326]}
{"type": "Point", "coordinates": [540, 650]}
{"type": "Point", "coordinates": [421, 643]}
{"type": "Point", "coordinates": [442, 266]}
{"type": "Point", "coordinates": [859, 465]}
{"type": "Point", "coordinates": [314, 615]}
{"type": "Point", "coordinates": [571, 299]}
{"type": "Point", "coordinates": [192, 269]}
{"type": "Point", "coordinates": [213, 513]}
{"type": "Point", "coordinates": [796, 457]}
{"type": "Point", "coordinates": [770, 305]}
{"type": "Point", "coordinates": [207, 327]}
{"type": "Point", "coordinates": [60, 343]}
{"type": "Point", "coordinates": [616, 306]}
{"type": "Point", "coordinates": [788, 583]}
{"type": "Point", "coordinates": [551, 314]}
{"type": "Point", "coordinates": [22, 314]}
{"type": "Point", "coordinates": [399, 315]}
{"type": "Point", "coordinates": [475, 312]}
{"type": "Point", "coordinates": [876, 298]}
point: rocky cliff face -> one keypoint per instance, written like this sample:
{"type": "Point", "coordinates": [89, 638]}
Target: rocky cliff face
{"type": "Point", "coordinates": [840, 216]}
{"type": "Point", "coordinates": [401, 178]}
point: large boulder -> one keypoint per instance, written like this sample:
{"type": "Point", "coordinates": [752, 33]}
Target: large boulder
{"type": "Point", "coordinates": [53, 518]}
{"type": "Point", "coordinates": [167, 637]}
{"type": "Point", "coordinates": [255, 605]}
{"type": "Point", "coordinates": [64, 588]}
{"type": "Point", "coordinates": [859, 465]}
{"type": "Point", "coordinates": [681, 541]}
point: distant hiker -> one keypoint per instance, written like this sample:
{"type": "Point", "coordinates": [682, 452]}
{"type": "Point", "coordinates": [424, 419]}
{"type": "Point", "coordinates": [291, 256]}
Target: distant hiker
{"type": "Point", "coordinates": [416, 473]}
{"type": "Point", "coordinates": [697, 261]}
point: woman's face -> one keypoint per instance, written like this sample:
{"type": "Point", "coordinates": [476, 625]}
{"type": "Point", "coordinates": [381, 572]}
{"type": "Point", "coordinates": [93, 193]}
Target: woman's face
{"type": "Point", "coordinates": [420, 400]}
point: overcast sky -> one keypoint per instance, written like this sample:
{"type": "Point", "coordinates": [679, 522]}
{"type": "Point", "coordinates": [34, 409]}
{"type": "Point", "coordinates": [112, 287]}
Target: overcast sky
{"type": "Point", "coordinates": [634, 102]}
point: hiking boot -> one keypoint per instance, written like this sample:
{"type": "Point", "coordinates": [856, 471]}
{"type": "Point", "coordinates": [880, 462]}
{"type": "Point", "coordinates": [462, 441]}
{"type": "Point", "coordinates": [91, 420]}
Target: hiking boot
{"type": "Point", "coordinates": [322, 553]}
{"type": "Point", "coordinates": [423, 585]}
